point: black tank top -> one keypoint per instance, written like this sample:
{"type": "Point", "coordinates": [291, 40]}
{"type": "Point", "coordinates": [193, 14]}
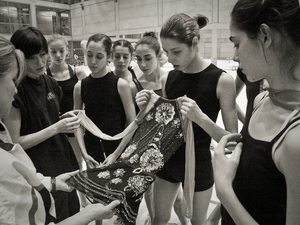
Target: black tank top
{"type": "Point", "coordinates": [103, 104]}
{"type": "Point", "coordinates": [202, 88]}
{"type": "Point", "coordinates": [67, 86]}
{"type": "Point", "coordinates": [259, 185]}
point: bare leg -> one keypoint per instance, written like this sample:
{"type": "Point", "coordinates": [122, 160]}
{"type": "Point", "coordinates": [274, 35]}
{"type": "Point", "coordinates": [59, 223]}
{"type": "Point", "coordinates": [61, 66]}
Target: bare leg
{"type": "Point", "coordinates": [177, 208]}
{"type": "Point", "coordinates": [164, 195]}
{"type": "Point", "coordinates": [215, 216]}
{"type": "Point", "coordinates": [200, 206]}
{"type": "Point", "coordinates": [148, 195]}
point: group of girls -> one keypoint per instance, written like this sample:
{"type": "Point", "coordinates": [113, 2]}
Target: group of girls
{"type": "Point", "coordinates": [257, 184]}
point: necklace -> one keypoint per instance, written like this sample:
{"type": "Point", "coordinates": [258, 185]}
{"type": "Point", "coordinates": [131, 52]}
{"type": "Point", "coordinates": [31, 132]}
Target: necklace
{"type": "Point", "coordinates": [288, 99]}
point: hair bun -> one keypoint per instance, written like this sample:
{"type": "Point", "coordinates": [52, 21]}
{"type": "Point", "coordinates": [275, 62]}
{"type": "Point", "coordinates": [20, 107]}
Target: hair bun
{"type": "Point", "coordinates": [150, 34]}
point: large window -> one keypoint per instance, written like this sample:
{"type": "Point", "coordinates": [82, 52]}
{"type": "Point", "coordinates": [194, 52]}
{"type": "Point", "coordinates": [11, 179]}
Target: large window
{"type": "Point", "coordinates": [53, 21]}
{"type": "Point", "coordinates": [13, 16]}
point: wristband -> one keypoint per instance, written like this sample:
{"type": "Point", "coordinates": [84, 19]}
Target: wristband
{"type": "Point", "coordinates": [53, 184]}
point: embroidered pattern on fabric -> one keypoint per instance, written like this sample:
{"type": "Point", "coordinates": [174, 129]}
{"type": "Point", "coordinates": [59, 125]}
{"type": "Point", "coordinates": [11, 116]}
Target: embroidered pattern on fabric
{"type": "Point", "coordinates": [119, 172]}
{"type": "Point", "coordinates": [179, 135]}
{"type": "Point", "coordinates": [149, 116]}
{"type": "Point", "coordinates": [134, 159]}
{"type": "Point", "coordinates": [104, 174]}
{"type": "Point", "coordinates": [152, 159]}
{"type": "Point", "coordinates": [157, 137]}
{"type": "Point", "coordinates": [165, 113]}
{"type": "Point", "coordinates": [116, 181]}
{"type": "Point", "coordinates": [128, 151]}
{"type": "Point", "coordinates": [176, 123]}
{"type": "Point", "coordinates": [138, 184]}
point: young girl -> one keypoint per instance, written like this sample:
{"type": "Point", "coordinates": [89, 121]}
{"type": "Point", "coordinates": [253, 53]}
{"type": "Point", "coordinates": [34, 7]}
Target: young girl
{"type": "Point", "coordinates": [122, 51]}
{"type": "Point", "coordinates": [259, 184]}
{"type": "Point", "coordinates": [213, 90]}
{"type": "Point", "coordinates": [148, 53]}
{"type": "Point", "coordinates": [34, 120]}
{"type": "Point", "coordinates": [66, 77]}
{"type": "Point", "coordinates": [107, 102]}
{"type": "Point", "coordinates": [19, 182]}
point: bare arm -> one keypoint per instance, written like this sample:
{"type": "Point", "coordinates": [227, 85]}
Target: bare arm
{"type": "Point", "coordinates": [126, 97]}
{"type": "Point", "coordinates": [287, 158]}
{"type": "Point", "coordinates": [227, 95]}
{"type": "Point", "coordinates": [239, 85]}
{"type": "Point", "coordinates": [13, 123]}
{"type": "Point", "coordinates": [78, 105]}
{"type": "Point", "coordinates": [80, 73]}
{"type": "Point", "coordinates": [90, 213]}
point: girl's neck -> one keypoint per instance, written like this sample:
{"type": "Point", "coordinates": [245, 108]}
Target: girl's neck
{"type": "Point", "coordinates": [197, 65]}
{"type": "Point", "coordinates": [58, 68]}
{"type": "Point", "coordinates": [100, 73]}
{"type": "Point", "coordinates": [155, 76]}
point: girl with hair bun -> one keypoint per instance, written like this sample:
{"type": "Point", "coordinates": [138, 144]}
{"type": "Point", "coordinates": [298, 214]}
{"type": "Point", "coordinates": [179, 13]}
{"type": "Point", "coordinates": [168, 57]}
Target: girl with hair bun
{"type": "Point", "coordinates": [149, 53]}
{"type": "Point", "coordinates": [213, 90]}
{"type": "Point", "coordinates": [259, 183]}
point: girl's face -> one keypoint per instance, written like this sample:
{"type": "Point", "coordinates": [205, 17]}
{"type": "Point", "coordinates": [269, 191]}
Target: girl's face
{"type": "Point", "coordinates": [36, 64]}
{"type": "Point", "coordinates": [8, 89]}
{"type": "Point", "coordinates": [58, 51]}
{"type": "Point", "coordinates": [249, 53]}
{"type": "Point", "coordinates": [121, 58]}
{"type": "Point", "coordinates": [96, 57]}
{"type": "Point", "coordinates": [146, 59]}
{"type": "Point", "coordinates": [180, 55]}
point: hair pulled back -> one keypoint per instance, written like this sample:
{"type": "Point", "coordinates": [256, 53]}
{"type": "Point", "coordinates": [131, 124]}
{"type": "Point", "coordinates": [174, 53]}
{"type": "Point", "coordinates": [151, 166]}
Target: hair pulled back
{"type": "Point", "coordinates": [183, 28]}
{"type": "Point", "coordinates": [149, 38]}
{"type": "Point", "coordinates": [106, 41]}
{"type": "Point", "coordinates": [282, 16]}
{"type": "Point", "coordinates": [123, 43]}
{"type": "Point", "coordinates": [56, 37]}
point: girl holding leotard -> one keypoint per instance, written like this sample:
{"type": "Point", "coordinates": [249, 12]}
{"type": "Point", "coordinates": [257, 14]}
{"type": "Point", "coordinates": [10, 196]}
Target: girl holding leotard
{"type": "Point", "coordinates": [106, 99]}
{"type": "Point", "coordinates": [213, 90]}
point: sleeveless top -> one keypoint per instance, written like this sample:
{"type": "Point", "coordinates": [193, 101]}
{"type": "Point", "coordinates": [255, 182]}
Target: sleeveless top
{"type": "Point", "coordinates": [138, 84]}
{"type": "Point", "coordinates": [103, 105]}
{"type": "Point", "coordinates": [258, 184]}
{"type": "Point", "coordinates": [201, 87]}
{"type": "Point", "coordinates": [160, 131]}
{"type": "Point", "coordinates": [67, 86]}
{"type": "Point", "coordinates": [38, 101]}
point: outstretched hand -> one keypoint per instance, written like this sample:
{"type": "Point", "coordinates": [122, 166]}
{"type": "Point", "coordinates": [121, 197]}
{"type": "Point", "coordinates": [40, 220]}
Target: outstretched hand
{"type": "Point", "coordinates": [100, 212]}
{"type": "Point", "coordinates": [61, 181]}
{"type": "Point", "coordinates": [225, 167]}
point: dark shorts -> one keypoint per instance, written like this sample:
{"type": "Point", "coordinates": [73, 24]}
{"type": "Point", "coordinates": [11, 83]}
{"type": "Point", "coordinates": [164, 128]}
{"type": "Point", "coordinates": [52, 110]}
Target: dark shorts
{"type": "Point", "coordinates": [203, 175]}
